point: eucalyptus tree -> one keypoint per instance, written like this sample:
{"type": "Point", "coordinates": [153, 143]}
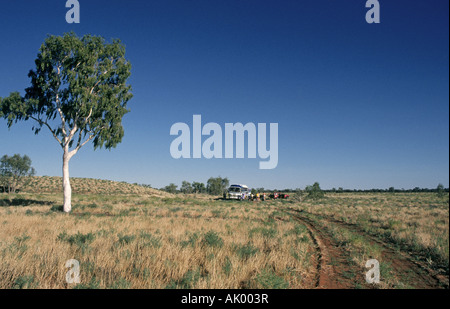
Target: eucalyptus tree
{"type": "Point", "coordinates": [186, 187]}
{"type": "Point", "coordinates": [15, 171]}
{"type": "Point", "coordinates": [217, 185]}
{"type": "Point", "coordinates": [79, 92]}
{"type": "Point", "coordinates": [314, 191]}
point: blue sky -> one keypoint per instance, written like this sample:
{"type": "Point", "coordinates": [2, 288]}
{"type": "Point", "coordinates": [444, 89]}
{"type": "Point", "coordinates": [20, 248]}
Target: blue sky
{"type": "Point", "coordinates": [358, 105]}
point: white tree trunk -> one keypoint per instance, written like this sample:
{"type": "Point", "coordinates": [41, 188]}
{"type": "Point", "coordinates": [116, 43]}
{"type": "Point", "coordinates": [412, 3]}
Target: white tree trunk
{"type": "Point", "coordinates": [66, 184]}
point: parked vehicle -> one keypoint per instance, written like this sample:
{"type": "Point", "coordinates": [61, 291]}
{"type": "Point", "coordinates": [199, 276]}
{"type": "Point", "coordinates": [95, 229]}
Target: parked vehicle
{"type": "Point", "coordinates": [277, 195]}
{"type": "Point", "coordinates": [274, 195]}
{"type": "Point", "coordinates": [237, 192]}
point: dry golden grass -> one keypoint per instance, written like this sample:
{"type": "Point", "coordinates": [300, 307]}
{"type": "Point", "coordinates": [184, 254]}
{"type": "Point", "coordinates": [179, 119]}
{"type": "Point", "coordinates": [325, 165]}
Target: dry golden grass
{"type": "Point", "coordinates": [418, 219]}
{"type": "Point", "coordinates": [416, 223]}
{"type": "Point", "coordinates": [46, 184]}
{"type": "Point", "coordinates": [127, 236]}
{"type": "Point", "coordinates": [130, 241]}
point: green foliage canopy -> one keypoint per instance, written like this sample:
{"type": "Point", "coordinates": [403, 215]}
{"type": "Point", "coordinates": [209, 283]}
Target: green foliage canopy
{"type": "Point", "coordinates": [171, 188]}
{"type": "Point", "coordinates": [82, 81]}
{"type": "Point", "coordinates": [14, 171]}
{"type": "Point", "coordinates": [198, 187]}
{"type": "Point", "coordinates": [186, 187]}
{"type": "Point", "coordinates": [217, 185]}
{"type": "Point", "coordinates": [314, 191]}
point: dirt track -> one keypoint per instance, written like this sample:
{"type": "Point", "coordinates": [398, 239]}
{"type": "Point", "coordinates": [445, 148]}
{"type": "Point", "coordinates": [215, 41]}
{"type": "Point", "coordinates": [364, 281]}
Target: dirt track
{"type": "Point", "coordinates": [335, 270]}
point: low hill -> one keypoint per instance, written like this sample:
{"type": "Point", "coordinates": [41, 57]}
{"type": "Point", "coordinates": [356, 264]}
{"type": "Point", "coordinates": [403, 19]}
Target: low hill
{"type": "Point", "coordinates": [47, 184]}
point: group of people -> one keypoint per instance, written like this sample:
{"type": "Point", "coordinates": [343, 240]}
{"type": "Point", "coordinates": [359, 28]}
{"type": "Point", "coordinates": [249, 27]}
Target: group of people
{"type": "Point", "coordinates": [263, 196]}
{"type": "Point", "coordinates": [257, 197]}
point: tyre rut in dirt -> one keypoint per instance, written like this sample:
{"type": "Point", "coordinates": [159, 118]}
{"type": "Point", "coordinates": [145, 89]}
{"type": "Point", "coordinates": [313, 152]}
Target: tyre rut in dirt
{"type": "Point", "coordinates": [408, 270]}
{"type": "Point", "coordinates": [420, 276]}
{"type": "Point", "coordinates": [334, 269]}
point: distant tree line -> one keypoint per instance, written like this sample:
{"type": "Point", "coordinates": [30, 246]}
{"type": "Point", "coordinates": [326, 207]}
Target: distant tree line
{"type": "Point", "coordinates": [217, 185]}
{"type": "Point", "coordinates": [440, 188]}
{"type": "Point", "coordinates": [214, 186]}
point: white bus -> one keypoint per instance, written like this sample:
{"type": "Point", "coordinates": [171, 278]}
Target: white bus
{"type": "Point", "coordinates": [237, 192]}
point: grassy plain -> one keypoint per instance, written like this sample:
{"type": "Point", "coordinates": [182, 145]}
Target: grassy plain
{"type": "Point", "coordinates": [126, 236]}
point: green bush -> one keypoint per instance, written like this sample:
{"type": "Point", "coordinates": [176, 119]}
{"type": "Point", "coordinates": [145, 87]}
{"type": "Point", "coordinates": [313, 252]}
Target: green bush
{"type": "Point", "coordinates": [148, 240]}
{"type": "Point", "coordinates": [189, 279]}
{"type": "Point", "coordinates": [212, 239]}
{"type": "Point", "coordinates": [126, 239]}
{"type": "Point", "coordinates": [25, 282]}
{"type": "Point", "coordinates": [227, 266]}
{"type": "Point", "coordinates": [315, 192]}
{"type": "Point", "coordinates": [93, 284]}
{"type": "Point", "coordinates": [268, 279]}
{"type": "Point", "coordinates": [245, 251]}
{"type": "Point", "coordinates": [82, 241]}
{"type": "Point", "coordinates": [192, 240]}
{"type": "Point", "coordinates": [121, 284]}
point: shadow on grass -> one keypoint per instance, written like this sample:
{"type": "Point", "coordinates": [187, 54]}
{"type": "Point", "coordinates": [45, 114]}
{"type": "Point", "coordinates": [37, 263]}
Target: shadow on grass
{"type": "Point", "coordinates": [22, 202]}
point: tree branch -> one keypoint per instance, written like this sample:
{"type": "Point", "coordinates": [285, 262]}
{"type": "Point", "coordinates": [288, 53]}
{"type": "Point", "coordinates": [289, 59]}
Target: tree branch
{"type": "Point", "coordinates": [73, 152]}
{"type": "Point", "coordinates": [74, 130]}
{"type": "Point", "coordinates": [85, 142]}
{"type": "Point", "coordinates": [80, 134]}
{"type": "Point", "coordinates": [48, 126]}
{"type": "Point", "coordinates": [96, 84]}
